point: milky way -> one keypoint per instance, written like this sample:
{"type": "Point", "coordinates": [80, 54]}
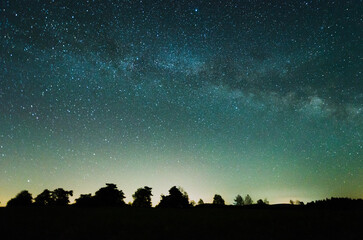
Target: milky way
{"type": "Point", "coordinates": [227, 97]}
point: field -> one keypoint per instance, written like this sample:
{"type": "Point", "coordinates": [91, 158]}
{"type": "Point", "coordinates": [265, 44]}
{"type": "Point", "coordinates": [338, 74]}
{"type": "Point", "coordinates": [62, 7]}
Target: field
{"type": "Point", "coordinates": [195, 223]}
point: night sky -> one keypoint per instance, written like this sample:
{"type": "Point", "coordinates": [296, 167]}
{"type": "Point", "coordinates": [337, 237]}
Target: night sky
{"type": "Point", "coordinates": [229, 97]}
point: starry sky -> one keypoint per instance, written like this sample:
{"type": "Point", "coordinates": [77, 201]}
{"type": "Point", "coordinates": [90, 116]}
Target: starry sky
{"type": "Point", "coordinates": [228, 97]}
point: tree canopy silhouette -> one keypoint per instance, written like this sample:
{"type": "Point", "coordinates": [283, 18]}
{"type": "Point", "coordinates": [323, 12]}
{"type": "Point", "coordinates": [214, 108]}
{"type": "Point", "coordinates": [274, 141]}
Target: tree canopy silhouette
{"type": "Point", "coordinates": [44, 198]}
{"type": "Point", "coordinates": [238, 201]}
{"type": "Point", "coordinates": [109, 196]}
{"type": "Point", "coordinates": [57, 197]}
{"type": "Point", "coordinates": [61, 197]}
{"type": "Point", "coordinates": [261, 202]}
{"type": "Point", "coordinates": [142, 197]}
{"type": "Point", "coordinates": [218, 200]}
{"type": "Point", "coordinates": [337, 203]}
{"type": "Point", "coordinates": [24, 198]}
{"type": "Point", "coordinates": [85, 200]}
{"type": "Point", "coordinates": [248, 200]}
{"type": "Point", "coordinates": [200, 202]}
{"type": "Point", "coordinates": [177, 198]}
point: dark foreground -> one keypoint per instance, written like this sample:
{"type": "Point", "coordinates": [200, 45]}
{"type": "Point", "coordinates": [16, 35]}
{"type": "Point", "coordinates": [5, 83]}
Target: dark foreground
{"type": "Point", "coordinates": [196, 223]}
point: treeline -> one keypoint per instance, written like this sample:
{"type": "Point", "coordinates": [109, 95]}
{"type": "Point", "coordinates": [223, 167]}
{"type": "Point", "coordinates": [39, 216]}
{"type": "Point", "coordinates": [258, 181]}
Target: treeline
{"type": "Point", "coordinates": [110, 195]}
{"type": "Point", "coordinates": [334, 203]}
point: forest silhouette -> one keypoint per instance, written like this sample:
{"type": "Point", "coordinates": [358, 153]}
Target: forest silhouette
{"type": "Point", "coordinates": [111, 196]}
{"type": "Point", "coordinates": [105, 215]}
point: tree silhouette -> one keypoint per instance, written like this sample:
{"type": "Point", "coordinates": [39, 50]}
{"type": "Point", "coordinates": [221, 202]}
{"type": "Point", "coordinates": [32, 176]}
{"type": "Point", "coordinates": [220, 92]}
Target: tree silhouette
{"type": "Point", "coordinates": [44, 198]}
{"type": "Point", "coordinates": [24, 198]}
{"type": "Point", "coordinates": [142, 197]}
{"type": "Point", "coordinates": [238, 201]}
{"type": "Point", "coordinates": [61, 197]}
{"type": "Point", "coordinates": [200, 202]}
{"type": "Point", "coordinates": [265, 201]}
{"type": "Point", "coordinates": [248, 200]}
{"type": "Point", "coordinates": [85, 200]}
{"type": "Point", "coordinates": [177, 198]}
{"type": "Point", "coordinates": [218, 200]}
{"type": "Point", "coordinates": [109, 196]}
{"type": "Point", "coordinates": [337, 203]}
{"type": "Point", "coordinates": [260, 202]}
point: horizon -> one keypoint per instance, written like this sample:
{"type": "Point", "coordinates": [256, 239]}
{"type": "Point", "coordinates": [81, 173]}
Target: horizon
{"type": "Point", "coordinates": [156, 199]}
{"type": "Point", "coordinates": [232, 97]}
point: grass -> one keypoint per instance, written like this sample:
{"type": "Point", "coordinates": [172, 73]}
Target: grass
{"type": "Point", "coordinates": [195, 223]}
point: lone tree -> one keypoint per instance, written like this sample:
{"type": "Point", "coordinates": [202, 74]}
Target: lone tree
{"type": "Point", "coordinates": [109, 196]}
{"type": "Point", "coordinates": [177, 198]}
{"type": "Point", "coordinates": [142, 197]}
{"type": "Point", "coordinates": [248, 200]}
{"type": "Point", "coordinates": [24, 198]}
{"type": "Point", "coordinates": [200, 202]}
{"type": "Point", "coordinates": [218, 200]}
{"type": "Point", "coordinates": [238, 201]}
{"type": "Point", "coordinates": [44, 198]}
{"type": "Point", "coordinates": [61, 197]}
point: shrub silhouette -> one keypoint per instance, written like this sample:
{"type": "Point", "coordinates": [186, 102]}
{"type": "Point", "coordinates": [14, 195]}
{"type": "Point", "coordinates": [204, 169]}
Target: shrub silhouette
{"type": "Point", "coordinates": [109, 196]}
{"type": "Point", "coordinates": [22, 199]}
{"type": "Point", "coordinates": [177, 198]}
{"type": "Point", "coordinates": [142, 197]}
{"type": "Point", "coordinates": [218, 200]}
{"type": "Point", "coordinates": [200, 202]}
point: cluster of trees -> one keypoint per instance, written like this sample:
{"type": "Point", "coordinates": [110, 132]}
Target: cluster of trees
{"type": "Point", "coordinates": [58, 197]}
{"type": "Point", "coordinates": [177, 198]}
{"type": "Point", "coordinates": [110, 195]}
{"type": "Point", "coordinates": [239, 201]}
{"type": "Point", "coordinates": [105, 196]}
{"type": "Point", "coordinates": [336, 203]}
